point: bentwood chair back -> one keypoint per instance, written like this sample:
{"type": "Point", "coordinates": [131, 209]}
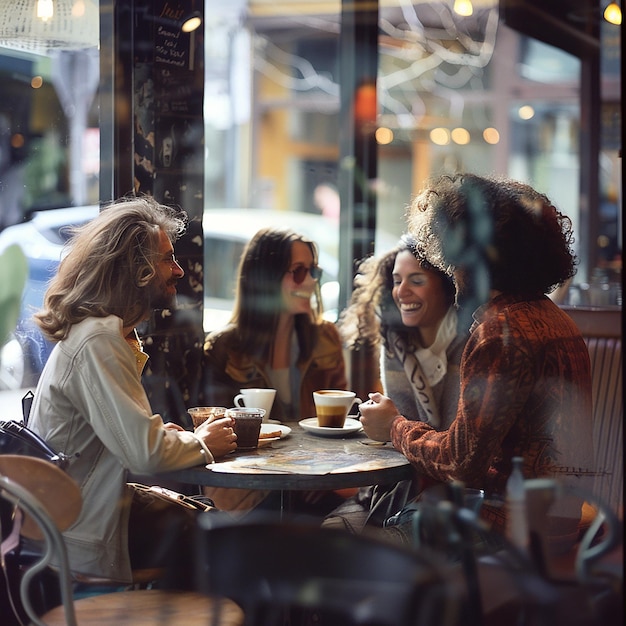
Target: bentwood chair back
{"type": "Point", "coordinates": [140, 608]}
{"type": "Point", "coordinates": [278, 571]}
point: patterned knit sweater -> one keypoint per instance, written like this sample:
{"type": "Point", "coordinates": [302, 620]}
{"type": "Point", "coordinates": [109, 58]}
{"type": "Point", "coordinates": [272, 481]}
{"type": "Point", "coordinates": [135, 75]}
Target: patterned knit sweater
{"type": "Point", "coordinates": [525, 391]}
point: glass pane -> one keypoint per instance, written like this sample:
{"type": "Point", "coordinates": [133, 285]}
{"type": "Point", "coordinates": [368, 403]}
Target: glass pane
{"type": "Point", "coordinates": [453, 92]}
{"type": "Point", "coordinates": [271, 116]}
{"type": "Point", "coordinates": [49, 153]}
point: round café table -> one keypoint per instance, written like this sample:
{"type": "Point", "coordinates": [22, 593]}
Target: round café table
{"type": "Point", "coordinates": [303, 461]}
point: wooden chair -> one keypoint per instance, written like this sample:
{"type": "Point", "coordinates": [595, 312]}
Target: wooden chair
{"type": "Point", "coordinates": [602, 331]}
{"type": "Point", "coordinates": [26, 483]}
{"type": "Point", "coordinates": [279, 571]}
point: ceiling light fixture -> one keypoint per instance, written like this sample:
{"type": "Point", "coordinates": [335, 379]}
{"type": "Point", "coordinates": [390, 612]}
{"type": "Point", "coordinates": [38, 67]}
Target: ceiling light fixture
{"type": "Point", "coordinates": [47, 25]}
{"type": "Point", "coordinates": [613, 14]}
{"type": "Point", "coordinates": [45, 10]}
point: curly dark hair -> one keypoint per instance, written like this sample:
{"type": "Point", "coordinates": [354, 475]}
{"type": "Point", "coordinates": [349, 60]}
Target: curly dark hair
{"type": "Point", "coordinates": [372, 311]}
{"type": "Point", "coordinates": [502, 229]}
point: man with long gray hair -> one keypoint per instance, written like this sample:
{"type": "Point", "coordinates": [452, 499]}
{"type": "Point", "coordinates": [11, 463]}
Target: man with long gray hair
{"type": "Point", "coordinates": [90, 404]}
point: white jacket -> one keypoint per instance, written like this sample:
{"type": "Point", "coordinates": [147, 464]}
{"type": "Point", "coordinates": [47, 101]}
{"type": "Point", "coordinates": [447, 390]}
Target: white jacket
{"type": "Point", "coordinates": [90, 404]}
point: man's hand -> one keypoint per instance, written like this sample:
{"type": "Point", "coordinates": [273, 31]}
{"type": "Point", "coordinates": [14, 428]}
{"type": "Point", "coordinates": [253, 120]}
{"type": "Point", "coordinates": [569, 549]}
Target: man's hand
{"type": "Point", "coordinates": [172, 426]}
{"type": "Point", "coordinates": [377, 415]}
{"type": "Point", "coordinates": [218, 435]}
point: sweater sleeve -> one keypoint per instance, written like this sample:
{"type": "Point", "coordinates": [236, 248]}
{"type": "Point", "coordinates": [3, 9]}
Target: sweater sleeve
{"type": "Point", "coordinates": [496, 380]}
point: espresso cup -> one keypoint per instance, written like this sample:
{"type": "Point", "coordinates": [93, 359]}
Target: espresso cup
{"type": "Point", "coordinates": [200, 414]}
{"type": "Point", "coordinates": [256, 398]}
{"type": "Point", "coordinates": [247, 426]}
{"type": "Point", "coordinates": [332, 406]}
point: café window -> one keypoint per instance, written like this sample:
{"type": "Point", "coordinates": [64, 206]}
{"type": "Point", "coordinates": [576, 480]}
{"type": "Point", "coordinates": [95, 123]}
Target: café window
{"type": "Point", "coordinates": [452, 93]}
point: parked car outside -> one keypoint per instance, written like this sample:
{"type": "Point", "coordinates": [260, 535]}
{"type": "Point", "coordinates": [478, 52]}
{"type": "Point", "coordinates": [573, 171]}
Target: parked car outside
{"type": "Point", "coordinates": [41, 238]}
{"type": "Point", "coordinates": [226, 232]}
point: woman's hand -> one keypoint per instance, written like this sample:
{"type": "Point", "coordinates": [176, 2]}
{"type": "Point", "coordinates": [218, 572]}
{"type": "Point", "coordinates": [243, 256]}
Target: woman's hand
{"type": "Point", "coordinates": [377, 415]}
{"type": "Point", "coordinates": [218, 435]}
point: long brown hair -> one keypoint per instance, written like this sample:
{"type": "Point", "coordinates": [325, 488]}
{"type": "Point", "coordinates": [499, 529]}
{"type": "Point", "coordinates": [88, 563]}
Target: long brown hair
{"type": "Point", "coordinates": [108, 264]}
{"type": "Point", "coordinates": [258, 300]}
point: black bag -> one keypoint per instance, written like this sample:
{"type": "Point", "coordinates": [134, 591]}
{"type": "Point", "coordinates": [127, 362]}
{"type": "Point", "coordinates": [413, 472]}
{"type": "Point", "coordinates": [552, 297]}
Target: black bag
{"type": "Point", "coordinates": [370, 506]}
{"type": "Point", "coordinates": [17, 438]}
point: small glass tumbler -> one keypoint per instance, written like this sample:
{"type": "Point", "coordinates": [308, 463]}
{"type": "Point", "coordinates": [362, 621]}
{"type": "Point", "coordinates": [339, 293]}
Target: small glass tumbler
{"type": "Point", "coordinates": [247, 426]}
{"type": "Point", "coordinates": [200, 414]}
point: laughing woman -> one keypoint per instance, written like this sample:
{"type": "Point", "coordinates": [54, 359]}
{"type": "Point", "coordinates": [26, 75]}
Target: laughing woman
{"type": "Point", "coordinates": [276, 337]}
{"type": "Point", "coordinates": [403, 308]}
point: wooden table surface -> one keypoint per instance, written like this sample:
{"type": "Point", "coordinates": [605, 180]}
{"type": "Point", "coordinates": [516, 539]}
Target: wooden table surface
{"type": "Point", "coordinates": [303, 461]}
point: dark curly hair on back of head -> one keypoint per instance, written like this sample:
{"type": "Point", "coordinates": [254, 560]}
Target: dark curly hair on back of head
{"type": "Point", "coordinates": [504, 226]}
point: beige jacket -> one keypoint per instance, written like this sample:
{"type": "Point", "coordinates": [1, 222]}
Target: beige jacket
{"type": "Point", "coordinates": [90, 404]}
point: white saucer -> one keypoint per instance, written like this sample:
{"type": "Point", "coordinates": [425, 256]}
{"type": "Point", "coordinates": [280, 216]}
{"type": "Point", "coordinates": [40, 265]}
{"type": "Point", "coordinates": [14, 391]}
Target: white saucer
{"type": "Point", "coordinates": [351, 426]}
{"type": "Point", "coordinates": [272, 428]}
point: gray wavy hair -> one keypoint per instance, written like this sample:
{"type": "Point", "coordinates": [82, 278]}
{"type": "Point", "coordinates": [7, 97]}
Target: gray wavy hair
{"type": "Point", "coordinates": [107, 265]}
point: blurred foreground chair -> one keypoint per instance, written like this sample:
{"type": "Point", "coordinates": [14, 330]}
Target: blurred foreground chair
{"type": "Point", "coordinates": [589, 570]}
{"type": "Point", "coordinates": [307, 574]}
{"type": "Point", "coordinates": [563, 579]}
{"type": "Point", "coordinates": [148, 607]}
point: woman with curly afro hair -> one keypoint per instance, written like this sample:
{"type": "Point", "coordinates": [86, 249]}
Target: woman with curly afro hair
{"type": "Point", "coordinates": [525, 382]}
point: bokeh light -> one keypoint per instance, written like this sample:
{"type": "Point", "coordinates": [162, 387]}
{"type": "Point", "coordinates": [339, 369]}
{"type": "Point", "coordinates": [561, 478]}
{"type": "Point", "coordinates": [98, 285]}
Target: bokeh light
{"type": "Point", "coordinates": [440, 136]}
{"type": "Point", "coordinates": [491, 135]}
{"type": "Point", "coordinates": [384, 136]}
{"type": "Point", "coordinates": [460, 136]}
{"type": "Point", "coordinates": [526, 112]}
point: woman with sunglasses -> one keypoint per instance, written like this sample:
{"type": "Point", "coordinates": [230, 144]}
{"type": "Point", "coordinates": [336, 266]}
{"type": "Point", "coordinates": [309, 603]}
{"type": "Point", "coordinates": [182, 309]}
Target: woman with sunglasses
{"type": "Point", "coordinates": [276, 338]}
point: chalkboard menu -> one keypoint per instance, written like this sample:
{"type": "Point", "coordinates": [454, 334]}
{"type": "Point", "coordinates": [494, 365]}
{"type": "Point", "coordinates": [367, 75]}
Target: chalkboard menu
{"type": "Point", "coordinates": [168, 103]}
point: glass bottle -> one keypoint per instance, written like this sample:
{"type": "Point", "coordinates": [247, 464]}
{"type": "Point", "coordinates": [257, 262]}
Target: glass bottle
{"type": "Point", "coordinates": [516, 513]}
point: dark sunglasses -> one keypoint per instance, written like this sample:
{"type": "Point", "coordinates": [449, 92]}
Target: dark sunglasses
{"type": "Point", "coordinates": [299, 274]}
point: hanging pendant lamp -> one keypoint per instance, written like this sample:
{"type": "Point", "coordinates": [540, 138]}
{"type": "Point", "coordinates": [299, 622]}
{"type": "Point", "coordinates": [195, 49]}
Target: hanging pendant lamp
{"type": "Point", "coordinates": [613, 14]}
{"type": "Point", "coordinates": [42, 25]}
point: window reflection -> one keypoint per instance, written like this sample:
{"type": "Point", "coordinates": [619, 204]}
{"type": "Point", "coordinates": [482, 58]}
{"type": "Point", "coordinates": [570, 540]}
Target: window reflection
{"type": "Point", "coordinates": [453, 92]}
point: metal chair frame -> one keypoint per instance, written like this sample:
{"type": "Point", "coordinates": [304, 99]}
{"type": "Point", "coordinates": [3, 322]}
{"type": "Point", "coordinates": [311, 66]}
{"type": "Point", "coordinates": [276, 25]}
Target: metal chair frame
{"type": "Point", "coordinates": [150, 606]}
{"type": "Point", "coordinates": [53, 549]}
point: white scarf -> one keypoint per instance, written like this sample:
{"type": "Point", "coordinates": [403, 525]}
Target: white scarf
{"type": "Point", "coordinates": [425, 367]}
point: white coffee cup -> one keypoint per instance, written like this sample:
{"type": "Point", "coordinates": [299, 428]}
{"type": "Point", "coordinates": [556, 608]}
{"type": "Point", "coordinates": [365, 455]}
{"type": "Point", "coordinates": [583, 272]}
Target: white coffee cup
{"type": "Point", "coordinates": [257, 398]}
{"type": "Point", "coordinates": [332, 406]}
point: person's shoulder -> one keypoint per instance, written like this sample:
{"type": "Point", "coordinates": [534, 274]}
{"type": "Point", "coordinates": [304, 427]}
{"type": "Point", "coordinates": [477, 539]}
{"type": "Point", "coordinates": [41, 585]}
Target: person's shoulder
{"type": "Point", "coordinates": [518, 308]}
{"type": "Point", "coordinates": [93, 334]}
{"type": "Point", "coordinates": [329, 330]}
{"type": "Point", "coordinates": [328, 339]}
{"type": "Point", "coordinates": [111, 324]}
{"type": "Point", "coordinates": [504, 307]}
{"type": "Point", "coordinates": [225, 336]}
{"type": "Point", "coordinates": [515, 316]}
